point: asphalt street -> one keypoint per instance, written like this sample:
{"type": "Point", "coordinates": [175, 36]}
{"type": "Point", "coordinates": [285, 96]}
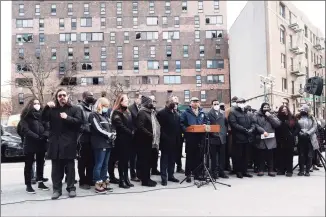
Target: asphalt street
{"type": "Point", "coordinates": [258, 196]}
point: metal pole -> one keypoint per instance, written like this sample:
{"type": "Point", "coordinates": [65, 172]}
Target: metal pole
{"type": "Point", "coordinates": [314, 104]}
{"type": "Point", "coordinates": [265, 98]}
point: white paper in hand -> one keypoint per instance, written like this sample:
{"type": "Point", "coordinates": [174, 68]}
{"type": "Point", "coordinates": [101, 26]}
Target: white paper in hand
{"type": "Point", "coordinates": [270, 135]}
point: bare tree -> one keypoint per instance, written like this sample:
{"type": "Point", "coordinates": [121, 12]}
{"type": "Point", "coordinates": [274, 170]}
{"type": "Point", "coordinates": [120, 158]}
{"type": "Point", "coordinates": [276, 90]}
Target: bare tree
{"type": "Point", "coordinates": [6, 108]}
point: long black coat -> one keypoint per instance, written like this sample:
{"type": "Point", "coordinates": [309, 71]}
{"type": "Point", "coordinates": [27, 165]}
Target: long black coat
{"type": "Point", "coordinates": [122, 123]}
{"type": "Point", "coordinates": [218, 119]}
{"type": "Point", "coordinates": [170, 130]}
{"type": "Point", "coordinates": [133, 111]}
{"type": "Point", "coordinates": [35, 132]}
{"type": "Point", "coordinates": [144, 130]}
{"type": "Point", "coordinates": [63, 132]}
{"type": "Point", "coordinates": [286, 132]}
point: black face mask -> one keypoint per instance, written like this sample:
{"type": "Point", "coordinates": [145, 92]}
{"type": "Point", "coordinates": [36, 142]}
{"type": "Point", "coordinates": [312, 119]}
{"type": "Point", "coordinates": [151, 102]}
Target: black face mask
{"type": "Point", "coordinates": [172, 105]}
{"type": "Point", "coordinates": [265, 110]}
{"type": "Point", "coordinates": [303, 113]}
{"type": "Point", "coordinates": [222, 107]}
{"type": "Point", "coordinates": [150, 106]}
{"type": "Point", "coordinates": [90, 100]}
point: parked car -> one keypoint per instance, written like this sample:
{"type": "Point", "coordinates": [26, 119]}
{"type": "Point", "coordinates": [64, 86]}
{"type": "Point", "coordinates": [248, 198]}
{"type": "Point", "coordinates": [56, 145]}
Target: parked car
{"type": "Point", "coordinates": [11, 145]}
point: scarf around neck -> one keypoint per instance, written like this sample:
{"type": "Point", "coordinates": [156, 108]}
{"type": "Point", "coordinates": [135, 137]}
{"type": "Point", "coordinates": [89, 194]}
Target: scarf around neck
{"type": "Point", "coordinates": [156, 128]}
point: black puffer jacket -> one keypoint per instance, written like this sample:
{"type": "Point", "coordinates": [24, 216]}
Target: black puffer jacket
{"type": "Point", "coordinates": [85, 128]}
{"type": "Point", "coordinates": [241, 123]}
{"type": "Point", "coordinates": [144, 131]}
{"type": "Point", "coordinates": [35, 132]}
{"type": "Point", "coordinates": [122, 123]}
{"type": "Point", "coordinates": [63, 132]}
{"type": "Point", "coordinates": [101, 131]}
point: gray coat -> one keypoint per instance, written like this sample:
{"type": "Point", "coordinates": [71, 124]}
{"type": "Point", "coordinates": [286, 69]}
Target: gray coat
{"type": "Point", "coordinates": [219, 119]}
{"type": "Point", "coordinates": [266, 124]}
{"type": "Point", "coordinates": [309, 126]}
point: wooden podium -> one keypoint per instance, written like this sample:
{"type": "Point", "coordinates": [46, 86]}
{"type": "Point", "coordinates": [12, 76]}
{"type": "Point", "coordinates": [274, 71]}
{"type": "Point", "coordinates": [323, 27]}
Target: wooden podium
{"type": "Point", "coordinates": [203, 129]}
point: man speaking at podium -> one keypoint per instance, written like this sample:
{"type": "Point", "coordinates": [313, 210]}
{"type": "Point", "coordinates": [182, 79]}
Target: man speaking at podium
{"type": "Point", "coordinates": [193, 115]}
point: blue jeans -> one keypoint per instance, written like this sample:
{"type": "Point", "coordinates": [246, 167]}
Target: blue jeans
{"type": "Point", "coordinates": [101, 159]}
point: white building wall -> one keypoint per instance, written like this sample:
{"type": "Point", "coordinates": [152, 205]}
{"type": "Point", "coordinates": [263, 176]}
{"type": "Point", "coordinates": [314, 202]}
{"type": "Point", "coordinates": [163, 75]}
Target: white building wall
{"type": "Point", "coordinates": [247, 49]}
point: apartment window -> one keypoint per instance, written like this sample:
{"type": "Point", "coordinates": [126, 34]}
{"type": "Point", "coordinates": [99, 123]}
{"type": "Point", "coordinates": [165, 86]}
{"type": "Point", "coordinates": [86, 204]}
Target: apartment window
{"type": "Point", "coordinates": [171, 35]}
{"type": "Point", "coordinates": [291, 41]}
{"type": "Point", "coordinates": [102, 8]}
{"type": "Point", "coordinates": [284, 84]}
{"type": "Point", "coordinates": [203, 95]}
{"type": "Point", "coordinates": [177, 66]}
{"type": "Point", "coordinates": [65, 37]}
{"type": "Point", "coordinates": [86, 22]}
{"type": "Point", "coordinates": [53, 9]}
{"type": "Point", "coordinates": [73, 23]}
{"type": "Point", "coordinates": [21, 98]}
{"type": "Point", "coordinates": [152, 65]}
{"type": "Point", "coordinates": [119, 22]}
{"type": "Point", "coordinates": [167, 7]}
{"type": "Point", "coordinates": [120, 66]}
{"type": "Point", "coordinates": [91, 36]}
{"type": "Point", "coordinates": [176, 21]}
{"type": "Point", "coordinates": [37, 10]}
{"type": "Point", "coordinates": [184, 6]}
{"type": "Point", "coordinates": [168, 50]}
{"type": "Point", "coordinates": [112, 37]}
{"type": "Point", "coordinates": [136, 52]}
{"type": "Point", "coordinates": [152, 51]}
{"type": "Point", "coordinates": [165, 66]}
{"type": "Point", "coordinates": [136, 66]}
{"type": "Point", "coordinates": [213, 20]}
{"type": "Point", "coordinates": [216, 4]}
{"type": "Point", "coordinates": [119, 7]}
{"type": "Point", "coordinates": [215, 64]}
{"type": "Point", "coordinates": [70, 53]}
{"type": "Point", "coordinates": [41, 24]}
{"type": "Point", "coordinates": [86, 9]}
{"type": "Point", "coordinates": [197, 22]}
{"type": "Point", "coordinates": [86, 66]}
{"type": "Point", "coordinates": [197, 35]}
{"type": "Point", "coordinates": [103, 52]}
{"type": "Point", "coordinates": [92, 81]}
{"type": "Point", "coordinates": [218, 49]}
{"type": "Point", "coordinates": [103, 22]}
{"type": "Point", "coordinates": [201, 50]}
{"type": "Point", "coordinates": [214, 34]}
{"type": "Point", "coordinates": [152, 21]}
{"type": "Point", "coordinates": [20, 67]}
{"type": "Point", "coordinates": [282, 35]}
{"type": "Point", "coordinates": [283, 61]}
{"type": "Point", "coordinates": [164, 20]}
{"type": "Point", "coordinates": [172, 79]}
{"type": "Point", "coordinates": [24, 82]}
{"type": "Point", "coordinates": [312, 57]}
{"type": "Point", "coordinates": [200, 6]}
{"type": "Point", "coordinates": [41, 38]}
{"type": "Point", "coordinates": [24, 38]}
{"type": "Point", "coordinates": [61, 23]}
{"type": "Point", "coordinates": [28, 23]}
{"type": "Point", "coordinates": [146, 35]}
{"type": "Point", "coordinates": [198, 65]}
{"type": "Point", "coordinates": [103, 67]}
{"type": "Point", "coordinates": [119, 52]}
{"type": "Point", "coordinates": [53, 53]}
{"type": "Point", "coordinates": [126, 37]}
{"type": "Point", "coordinates": [135, 7]}
{"type": "Point", "coordinates": [21, 10]}
{"type": "Point", "coordinates": [306, 51]}
{"type": "Point", "coordinates": [198, 81]}
{"type": "Point", "coordinates": [151, 7]}
{"type": "Point", "coordinates": [21, 52]}
{"type": "Point", "coordinates": [282, 10]}
{"type": "Point", "coordinates": [185, 51]}
{"type": "Point", "coordinates": [70, 10]}
{"type": "Point", "coordinates": [292, 83]}
{"type": "Point", "coordinates": [86, 53]}
{"type": "Point", "coordinates": [306, 31]}
{"type": "Point", "coordinates": [292, 63]}
{"type": "Point", "coordinates": [135, 21]}
{"type": "Point", "coordinates": [215, 79]}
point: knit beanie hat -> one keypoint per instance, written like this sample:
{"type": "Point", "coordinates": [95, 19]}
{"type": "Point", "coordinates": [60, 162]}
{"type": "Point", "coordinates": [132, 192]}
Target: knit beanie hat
{"type": "Point", "coordinates": [305, 108]}
{"type": "Point", "coordinates": [145, 101]}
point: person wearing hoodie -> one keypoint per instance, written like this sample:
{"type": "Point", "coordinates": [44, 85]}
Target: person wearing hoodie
{"type": "Point", "coordinates": [308, 142]}
{"type": "Point", "coordinates": [242, 127]}
{"type": "Point", "coordinates": [266, 123]}
{"type": "Point", "coordinates": [285, 136]}
{"type": "Point", "coordinates": [35, 133]}
{"type": "Point", "coordinates": [194, 115]}
{"type": "Point", "coordinates": [147, 137]}
{"type": "Point", "coordinates": [218, 141]}
{"type": "Point", "coordinates": [122, 121]}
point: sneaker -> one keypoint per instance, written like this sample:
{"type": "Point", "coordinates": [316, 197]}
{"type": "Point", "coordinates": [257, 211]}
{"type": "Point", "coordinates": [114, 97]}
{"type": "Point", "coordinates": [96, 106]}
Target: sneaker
{"type": "Point", "coordinates": [30, 190]}
{"type": "Point", "coordinates": [42, 187]}
{"type": "Point", "coordinates": [99, 188]}
{"type": "Point", "coordinates": [56, 195]}
{"type": "Point", "coordinates": [72, 194]}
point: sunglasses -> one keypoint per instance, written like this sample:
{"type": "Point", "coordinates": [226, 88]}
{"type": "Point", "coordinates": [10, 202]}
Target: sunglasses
{"type": "Point", "coordinates": [62, 95]}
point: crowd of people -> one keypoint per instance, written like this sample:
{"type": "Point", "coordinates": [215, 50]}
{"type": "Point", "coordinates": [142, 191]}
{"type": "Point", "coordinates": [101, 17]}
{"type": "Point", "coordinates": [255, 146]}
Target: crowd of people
{"type": "Point", "coordinates": [102, 135]}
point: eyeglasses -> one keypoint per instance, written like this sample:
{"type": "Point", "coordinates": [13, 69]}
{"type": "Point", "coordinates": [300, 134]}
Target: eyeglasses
{"type": "Point", "coordinates": [62, 95]}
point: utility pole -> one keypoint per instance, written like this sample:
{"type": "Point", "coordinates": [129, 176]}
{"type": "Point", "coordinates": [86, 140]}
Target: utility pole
{"type": "Point", "coordinates": [267, 82]}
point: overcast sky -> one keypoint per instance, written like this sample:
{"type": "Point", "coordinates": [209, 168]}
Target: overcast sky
{"type": "Point", "coordinates": [314, 10]}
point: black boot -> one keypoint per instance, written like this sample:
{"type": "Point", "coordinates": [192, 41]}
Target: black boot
{"type": "Point", "coordinates": [114, 180]}
{"type": "Point", "coordinates": [122, 184]}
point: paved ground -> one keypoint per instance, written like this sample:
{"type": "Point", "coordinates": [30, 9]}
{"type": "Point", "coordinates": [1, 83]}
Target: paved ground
{"type": "Point", "coordinates": [259, 196]}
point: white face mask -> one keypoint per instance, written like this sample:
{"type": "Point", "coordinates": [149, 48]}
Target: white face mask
{"type": "Point", "coordinates": [37, 107]}
{"type": "Point", "coordinates": [241, 105]}
{"type": "Point", "coordinates": [234, 104]}
{"type": "Point", "coordinates": [216, 107]}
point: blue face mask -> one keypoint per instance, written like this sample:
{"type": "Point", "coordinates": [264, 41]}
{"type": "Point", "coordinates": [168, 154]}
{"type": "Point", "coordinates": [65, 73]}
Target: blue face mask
{"type": "Point", "coordinates": [105, 110]}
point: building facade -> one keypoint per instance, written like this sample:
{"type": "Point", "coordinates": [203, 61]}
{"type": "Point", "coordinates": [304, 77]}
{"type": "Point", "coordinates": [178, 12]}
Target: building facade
{"type": "Point", "coordinates": [274, 40]}
{"type": "Point", "coordinates": [151, 47]}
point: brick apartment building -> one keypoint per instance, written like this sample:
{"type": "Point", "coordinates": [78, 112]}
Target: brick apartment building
{"type": "Point", "coordinates": [155, 47]}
